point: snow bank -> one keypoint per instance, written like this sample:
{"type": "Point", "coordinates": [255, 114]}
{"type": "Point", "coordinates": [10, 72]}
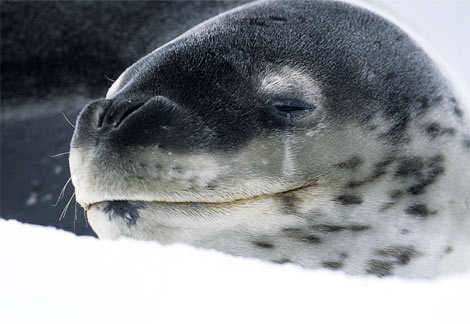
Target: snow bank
{"type": "Point", "coordinates": [51, 276]}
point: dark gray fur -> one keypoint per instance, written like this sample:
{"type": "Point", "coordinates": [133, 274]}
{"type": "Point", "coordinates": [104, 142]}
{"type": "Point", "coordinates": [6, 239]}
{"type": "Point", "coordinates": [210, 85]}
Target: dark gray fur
{"type": "Point", "coordinates": [194, 99]}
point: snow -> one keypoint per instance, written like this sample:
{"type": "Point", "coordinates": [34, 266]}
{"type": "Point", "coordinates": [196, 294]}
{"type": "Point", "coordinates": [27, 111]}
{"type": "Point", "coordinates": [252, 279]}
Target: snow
{"type": "Point", "coordinates": [52, 276]}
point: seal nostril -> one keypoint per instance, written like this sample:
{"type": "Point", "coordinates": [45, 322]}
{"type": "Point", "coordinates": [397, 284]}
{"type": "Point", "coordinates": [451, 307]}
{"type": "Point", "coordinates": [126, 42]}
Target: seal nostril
{"type": "Point", "coordinates": [104, 107]}
{"type": "Point", "coordinates": [126, 112]}
{"type": "Point", "coordinates": [114, 115]}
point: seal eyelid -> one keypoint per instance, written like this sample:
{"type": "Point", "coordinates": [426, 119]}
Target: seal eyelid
{"type": "Point", "coordinates": [291, 107]}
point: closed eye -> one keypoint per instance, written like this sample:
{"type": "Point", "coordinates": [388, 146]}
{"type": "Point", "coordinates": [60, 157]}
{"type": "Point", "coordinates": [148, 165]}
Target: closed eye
{"type": "Point", "coordinates": [291, 108]}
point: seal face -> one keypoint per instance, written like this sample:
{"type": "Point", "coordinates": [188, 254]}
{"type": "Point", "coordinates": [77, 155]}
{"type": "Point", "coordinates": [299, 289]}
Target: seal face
{"type": "Point", "coordinates": [311, 132]}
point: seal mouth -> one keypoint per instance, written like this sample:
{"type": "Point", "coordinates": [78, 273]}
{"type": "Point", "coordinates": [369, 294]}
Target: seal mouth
{"type": "Point", "coordinates": [309, 184]}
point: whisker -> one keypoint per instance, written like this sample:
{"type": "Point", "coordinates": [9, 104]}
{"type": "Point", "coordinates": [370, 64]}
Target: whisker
{"type": "Point", "coordinates": [75, 215]}
{"type": "Point", "coordinates": [56, 155]}
{"type": "Point", "coordinates": [61, 195]}
{"type": "Point", "coordinates": [84, 215]}
{"type": "Point", "coordinates": [62, 215]}
{"type": "Point", "coordinates": [108, 78]}
{"type": "Point", "coordinates": [67, 120]}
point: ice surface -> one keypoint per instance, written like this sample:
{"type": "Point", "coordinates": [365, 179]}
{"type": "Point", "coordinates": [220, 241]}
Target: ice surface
{"type": "Point", "coordinates": [52, 276]}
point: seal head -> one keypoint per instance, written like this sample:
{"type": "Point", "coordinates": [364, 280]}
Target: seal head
{"type": "Point", "coordinates": [311, 132]}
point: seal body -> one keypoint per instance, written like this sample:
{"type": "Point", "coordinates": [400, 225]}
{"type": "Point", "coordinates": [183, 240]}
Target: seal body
{"type": "Point", "coordinates": [311, 132]}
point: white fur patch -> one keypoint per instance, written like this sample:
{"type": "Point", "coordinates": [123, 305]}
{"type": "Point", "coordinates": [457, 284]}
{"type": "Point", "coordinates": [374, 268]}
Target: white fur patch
{"type": "Point", "coordinates": [290, 80]}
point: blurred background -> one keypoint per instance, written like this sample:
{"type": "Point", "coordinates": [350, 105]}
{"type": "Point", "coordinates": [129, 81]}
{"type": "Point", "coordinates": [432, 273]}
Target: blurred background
{"type": "Point", "coordinates": [58, 55]}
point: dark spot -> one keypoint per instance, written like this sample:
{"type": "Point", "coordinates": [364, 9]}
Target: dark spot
{"type": "Point", "coordinates": [311, 239]}
{"type": "Point", "coordinates": [424, 102]}
{"type": "Point", "coordinates": [390, 76]}
{"type": "Point", "coordinates": [380, 268]}
{"type": "Point", "coordinates": [142, 165]}
{"type": "Point", "coordinates": [382, 164]}
{"type": "Point", "coordinates": [396, 194]}
{"type": "Point", "coordinates": [264, 245]}
{"type": "Point", "coordinates": [299, 234]}
{"type": "Point", "coordinates": [436, 162]}
{"type": "Point", "coordinates": [433, 130]}
{"type": "Point", "coordinates": [158, 166]}
{"type": "Point", "coordinates": [282, 261]}
{"type": "Point", "coordinates": [399, 38]}
{"type": "Point", "coordinates": [349, 200]}
{"type": "Point", "coordinates": [434, 169]}
{"type": "Point", "coordinates": [457, 111]}
{"type": "Point", "coordinates": [411, 166]}
{"type": "Point", "coordinates": [466, 143]}
{"type": "Point", "coordinates": [352, 163]}
{"type": "Point", "coordinates": [212, 185]}
{"type": "Point", "coordinates": [418, 210]}
{"type": "Point", "coordinates": [405, 257]}
{"type": "Point", "coordinates": [401, 254]}
{"type": "Point", "coordinates": [343, 255]}
{"type": "Point", "coordinates": [367, 118]}
{"type": "Point", "coordinates": [449, 249]}
{"type": "Point", "coordinates": [397, 133]}
{"type": "Point", "coordinates": [289, 203]}
{"type": "Point", "coordinates": [124, 209]}
{"type": "Point", "coordinates": [354, 184]}
{"type": "Point", "coordinates": [448, 131]}
{"type": "Point", "coordinates": [276, 18]}
{"type": "Point", "coordinates": [417, 189]}
{"type": "Point", "coordinates": [377, 174]}
{"type": "Point", "coordinates": [257, 22]}
{"type": "Point", "coordinates": [359, 228]}
{"type": "Point", "coordinates": [386, 206]}
{"type": "Point", "coordinates": [333, 265]}
{"type": "Point", "coordinates": [379, 171]}
{"type": "Point", "coordinates": [328, 228]}
{"type": "Point", "coordinates": [292, 230]}
{"type": "Point", "coordinates": [405, 231]}
{"type": "Point", "coordinates": [177, 168]}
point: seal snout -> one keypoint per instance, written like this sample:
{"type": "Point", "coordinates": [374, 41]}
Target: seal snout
{"type": "Point", "coordinates": [127, 121]}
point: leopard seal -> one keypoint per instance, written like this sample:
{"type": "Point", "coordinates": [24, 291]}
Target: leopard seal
{"type": "Point", "coordinates": [317, 133]}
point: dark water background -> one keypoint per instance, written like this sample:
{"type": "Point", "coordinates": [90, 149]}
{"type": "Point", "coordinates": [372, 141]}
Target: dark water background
{"type": "Point", "coordinates": [55, 57]}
